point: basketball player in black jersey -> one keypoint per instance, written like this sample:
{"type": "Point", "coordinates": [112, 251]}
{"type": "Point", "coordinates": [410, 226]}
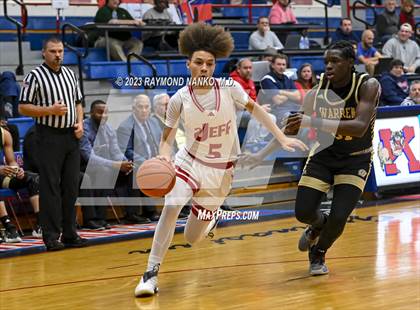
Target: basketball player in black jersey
{"type": "Point", "coordinates": [344, 164]}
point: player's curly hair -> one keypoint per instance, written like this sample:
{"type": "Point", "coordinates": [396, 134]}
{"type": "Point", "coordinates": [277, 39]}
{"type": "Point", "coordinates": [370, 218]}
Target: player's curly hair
{"type": "Point", "coordinates": [346, 48]}
{"type": "Point", "coordinates": [202, 37]}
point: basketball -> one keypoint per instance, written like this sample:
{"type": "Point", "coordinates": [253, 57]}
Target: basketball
{"type": "Point", "coordinates": [156, 177]}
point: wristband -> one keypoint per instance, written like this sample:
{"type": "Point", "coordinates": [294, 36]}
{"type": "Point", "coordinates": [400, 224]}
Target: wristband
{"type": "Point", "coordinates": [316, 122]}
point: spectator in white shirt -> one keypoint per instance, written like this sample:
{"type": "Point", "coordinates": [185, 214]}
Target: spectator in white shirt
{"type": "Point", "coordinates": [264, 38]}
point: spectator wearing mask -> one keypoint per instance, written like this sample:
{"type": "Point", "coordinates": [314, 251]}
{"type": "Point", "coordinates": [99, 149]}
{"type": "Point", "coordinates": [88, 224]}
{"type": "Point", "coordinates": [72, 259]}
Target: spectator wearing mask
{"type": "Point", "coordinates": [403, 48]}
{"type": "Point", "coordinates": [394, 85]}
{"type": "Point", "coordinates": [282, 13]}
{"type": "Point", "coordinates": [387, 22]}
{"type": "Point", "coordinates": [264, 38]}
{"type": "Point", "coordinates": [414, 96]}
{"type": "Point", "coordinates": [345, 32]}
{"type": "Point", "coordinates": [366, 53]}
{"type": "Point", "coordinates": [118, 40]}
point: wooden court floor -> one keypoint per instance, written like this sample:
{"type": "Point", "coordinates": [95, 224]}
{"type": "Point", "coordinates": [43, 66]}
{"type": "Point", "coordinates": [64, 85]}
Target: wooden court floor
{"type": "Point", "coordinates": [375, 265]}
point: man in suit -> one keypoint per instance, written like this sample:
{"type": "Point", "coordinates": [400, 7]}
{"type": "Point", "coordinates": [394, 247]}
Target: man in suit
{"type": "Point", "coordinates": [108, 169]}
{"type": "Point", "coordinates": [139, 136]}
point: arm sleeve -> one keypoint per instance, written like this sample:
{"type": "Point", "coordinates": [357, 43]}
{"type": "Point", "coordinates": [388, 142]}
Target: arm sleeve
{"type": "Point", "coordinates": [173, 112]}
{"type": "Point", "coordinates": [102, 16]}
{"type": "Point", "coordinates": [29, 89]}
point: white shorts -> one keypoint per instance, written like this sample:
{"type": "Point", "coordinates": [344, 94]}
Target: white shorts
{"type": "Point", "coordinates": [210, 185]}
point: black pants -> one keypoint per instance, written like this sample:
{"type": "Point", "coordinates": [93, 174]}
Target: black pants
{"type": "Point", "coordinates": [29, 181]}
{"type": "Point", "coordinates": [59, 165]}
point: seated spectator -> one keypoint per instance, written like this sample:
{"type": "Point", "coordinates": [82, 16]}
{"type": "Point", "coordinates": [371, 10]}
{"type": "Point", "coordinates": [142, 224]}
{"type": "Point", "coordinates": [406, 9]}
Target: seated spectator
{"type": "Point", "coordinates": [279, 90]}
{"type": "Point", "coordinates": [264, 38]}
{"type": "Point", "coordinates": [160, 40]}
{"type": "Point", "coordinates": [403, 48]}
{"type": "Point", "coordinates": [243, 75]}
{"type": "Point", "coordinates": [414, 96]}
{"type": "Point", "coordinates": [160, 104]}
{"type": "Point", "coordinates": [105, 164]}
{"type": "Point", "coordinates": [282, 13]}
{"type": "Point", "coordinates": [407, 13]}
{"type": "Point", "coordinates": [387, 22]}
{"type": "Point", "coordinates": [118, 40]}
{"type": "Point", "coordinates": [345, 32]}
{"type": "Point", "coordinates": [366, 53]}
{"type": "Point", "coordinates": [137, 9]}
{"type": "Point", "coordinates": [9, 94]}
{"type": "Point", "coordinates": [14, 177]}
{"type": "Point", "coordinates": [139, 135]}
{"type": "Point", "coordinates": [394, 85]}
{"type": "Point", "coordinates": [306, 79]}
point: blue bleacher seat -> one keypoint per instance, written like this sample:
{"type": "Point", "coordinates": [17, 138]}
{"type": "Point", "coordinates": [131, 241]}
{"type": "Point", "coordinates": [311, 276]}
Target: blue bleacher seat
{"type": "Point", "coordinates": [23, 124]}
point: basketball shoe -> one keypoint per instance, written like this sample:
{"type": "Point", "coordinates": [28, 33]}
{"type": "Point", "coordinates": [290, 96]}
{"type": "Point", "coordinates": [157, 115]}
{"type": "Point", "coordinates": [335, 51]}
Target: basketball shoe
{"type": "Point", "coordinates": [210, 231]}
{"type": "Point", "coordinates": [310, 235]}
{"type": "Point", "coordinates": [148, 283]}
{"type": "Point", "coordinates": [317, 265]}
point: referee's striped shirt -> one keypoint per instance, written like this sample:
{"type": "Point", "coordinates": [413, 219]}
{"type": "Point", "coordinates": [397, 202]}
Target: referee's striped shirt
{"type": "Point", "coordinates": [43, 87]}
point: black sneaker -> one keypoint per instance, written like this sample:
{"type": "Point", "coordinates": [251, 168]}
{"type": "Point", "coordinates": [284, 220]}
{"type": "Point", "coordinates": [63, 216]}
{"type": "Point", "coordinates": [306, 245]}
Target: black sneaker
{"type": "Point", "coordinates": [317, 265]}
{"type": "Point", "coordinates": [104, 224]}
{"type": "Point", "coordinates": [11, 234]}
{"type": "Point", "coordinates": [54, 245]}
{"type": "Point", "coordinates": [77, 242]}
{"type": "Point", "coordinates": [136, 219]}
{"type": "Point", "coordinates": [93, 225]}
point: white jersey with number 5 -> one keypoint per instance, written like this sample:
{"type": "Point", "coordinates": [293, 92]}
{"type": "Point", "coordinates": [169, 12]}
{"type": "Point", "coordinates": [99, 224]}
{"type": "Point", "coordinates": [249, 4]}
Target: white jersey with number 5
{"type": "Point", "coordinates": [209, 120]}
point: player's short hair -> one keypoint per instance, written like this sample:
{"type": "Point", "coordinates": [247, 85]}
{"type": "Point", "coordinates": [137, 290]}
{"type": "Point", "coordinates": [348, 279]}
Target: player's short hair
{"type": "Point", "coordinates": [345, 47]}
{"type": "Point", "coordinates": [202, 37]}
{"type": "Point", "coordinates": [95, 103]}
{"type": "Point", "coordinates": [54, 39]}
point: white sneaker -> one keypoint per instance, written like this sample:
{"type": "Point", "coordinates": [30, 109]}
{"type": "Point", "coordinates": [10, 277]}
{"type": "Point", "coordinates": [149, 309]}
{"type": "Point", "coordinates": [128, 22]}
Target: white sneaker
{"type": "Point", "coordinates": [148, 283]}
{"type": "Point", "coordinates": [37, 232]}
{"type": "Point", "coordinates": [210, 231]}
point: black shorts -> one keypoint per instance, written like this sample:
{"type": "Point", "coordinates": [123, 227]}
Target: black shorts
{"type": "Point", "coordinates": [328, 168]}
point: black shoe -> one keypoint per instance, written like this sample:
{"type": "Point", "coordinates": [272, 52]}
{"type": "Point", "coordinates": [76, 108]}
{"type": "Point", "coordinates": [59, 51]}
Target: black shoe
{"type": "Point", "coordinates": [77, 242]}
{"type": "Point", "coordinates": [136, 219]}
{"type": "Point", "coordinates": [317, 265]}
{"type": "Point", "coordinates": [185, 212]}
{"type": "Point", "coordinates": [104, 224]}
{"type": "Point", "coordinates": [54, 245]}
{"type": "Point", "coordinates": [226, 208]}
{"type": "Point", "coordinates": [93, 225]}
{"type": "Point", "coordinates": [153, 217]}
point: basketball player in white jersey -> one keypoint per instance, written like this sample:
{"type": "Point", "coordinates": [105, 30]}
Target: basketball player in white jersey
{"type": "Point", "coordinates": [205, 165]}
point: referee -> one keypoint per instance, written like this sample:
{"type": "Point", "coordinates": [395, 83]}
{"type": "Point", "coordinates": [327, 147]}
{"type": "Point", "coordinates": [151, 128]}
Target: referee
{"type": "Point", "coordinates": [51, 94]}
